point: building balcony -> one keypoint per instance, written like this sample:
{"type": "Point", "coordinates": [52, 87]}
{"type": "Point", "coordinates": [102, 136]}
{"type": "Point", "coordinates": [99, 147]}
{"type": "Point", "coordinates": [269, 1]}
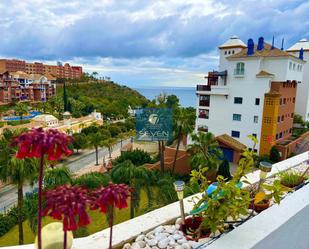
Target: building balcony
{"type": "Point", "coordinates": [213, 89]}
{"type": "Point", "coordinates": [204, 103]}
{"type": "Point", "coordinates": [203, 88]}
{"type": "Point", "coordinates": [280, 226]}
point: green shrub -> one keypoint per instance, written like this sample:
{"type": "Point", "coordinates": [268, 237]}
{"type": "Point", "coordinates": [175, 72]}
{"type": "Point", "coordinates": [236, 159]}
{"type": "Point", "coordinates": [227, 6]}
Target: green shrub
{"type": "Point", "coordinates": [92, 180]}
{"type": "Point", "coordinates": [224, 170]}
{"type": "Point", "coordinates": [274, 155]}
{"type": "Point", "coordinates": [137, 157]}
{"type": "Point", "coordinates": [17, 122]}
{"type": "Point", "coordinates": [81, 232]}
{"type": "Point", "coordinates": [9, 220]}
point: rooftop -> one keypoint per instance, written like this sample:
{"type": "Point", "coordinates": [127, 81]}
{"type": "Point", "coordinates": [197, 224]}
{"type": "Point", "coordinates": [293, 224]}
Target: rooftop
{"type": "Point", "coordinates": [233, 42]}
{"type": "Point", "coordinates": [303, 43]}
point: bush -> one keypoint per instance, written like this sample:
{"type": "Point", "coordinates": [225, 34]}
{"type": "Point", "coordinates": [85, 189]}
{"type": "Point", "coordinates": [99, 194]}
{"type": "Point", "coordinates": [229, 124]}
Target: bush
{"type": "Point", "coordinates": [9, 220]}
{"type": "Point", "coordinates": [81, 232]}
{"type": "Point", "coordinates": [291, 178]}
{"type": "Point", "coordinates": [17, 122]}
{"type": "Point", "coordinates": [274, 155]}
{"type": "Point", "coordinates": [224, 170]}
{"type": "Point", "coordinates": [137, 157]}
{"type": "Point", "coordinates": [92, 180]}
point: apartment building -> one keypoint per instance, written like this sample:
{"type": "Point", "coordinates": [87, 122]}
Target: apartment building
{"type": "Point", "coordinates": [20, 86]}
{"type": "Point", "coordinates": [302, 95]}
{"type": "Point", "coordinates": [59, 71]}
{"type": "Point", "coordinates": [252, 93]}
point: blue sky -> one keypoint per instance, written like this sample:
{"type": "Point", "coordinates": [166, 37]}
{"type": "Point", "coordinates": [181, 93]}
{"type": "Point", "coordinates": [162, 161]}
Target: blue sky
{"type": "Point", "coordinates": [143, 42]}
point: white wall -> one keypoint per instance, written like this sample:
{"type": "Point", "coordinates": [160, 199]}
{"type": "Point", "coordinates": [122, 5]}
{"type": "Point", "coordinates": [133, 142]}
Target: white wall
{"type": "Point", "coordinates": [302, 95]}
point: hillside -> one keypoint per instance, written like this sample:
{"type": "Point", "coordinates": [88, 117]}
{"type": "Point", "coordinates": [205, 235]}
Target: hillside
{"type": "Point", "coordinates": [109, 98]}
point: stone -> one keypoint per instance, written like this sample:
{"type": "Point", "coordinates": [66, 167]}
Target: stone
{"type": "Point", "coordinates": [177, 236]}
{"type": "Point", "coordinates": [159, 229]}
{"type": "Point", "coordinates": [178, 221]}
{"type": "Point", "coordinates": [161, 236]}
{"type": "Point", "coordinates": [171, 230]}
{"type": "Point", "coordinates": [151, 242]}
{"type": "Point", "coordinates": [172, 243]}
{"type": "Point", "coordinates": [154, 247]}
{"type": "Point", "coordinates": [135, 245]}
{"type": "Point", "coordinates": [178, 247]}
{"type": "Point", "coordinates": [150, 235]}
{"type": "Point", "coordinates": [163, 243]}
{"type": "Point", "coordinates": [126, 246]}
{"type": "Point", "coordinates": [194, 244]}
{"type": "Point", "coordinates": [182, 241]}
{"type": "Point", "coordinates": [141, 243]}
{"type": "Point", "coordinates": [140, 237]}
{"type": "Point", "coordinates": [185, 246]}
{"type": "Point", "coordinates": [177, 226]}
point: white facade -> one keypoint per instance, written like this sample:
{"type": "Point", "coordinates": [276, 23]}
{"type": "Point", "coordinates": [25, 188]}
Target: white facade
{"type": "Point", "coordinates": [302, 96]}
{"type": "Point", "coordinates": [248, 83]}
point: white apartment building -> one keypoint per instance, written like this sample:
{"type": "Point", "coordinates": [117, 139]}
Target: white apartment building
{"type": "Point", "coordinates": [232, 101]}
{"type": "Point", "coordinates": [302, 95]}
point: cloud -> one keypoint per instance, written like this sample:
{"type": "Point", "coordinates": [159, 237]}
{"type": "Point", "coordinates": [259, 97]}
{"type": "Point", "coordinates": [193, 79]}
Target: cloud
{"type": "Point", "coordinates": [141, 35]}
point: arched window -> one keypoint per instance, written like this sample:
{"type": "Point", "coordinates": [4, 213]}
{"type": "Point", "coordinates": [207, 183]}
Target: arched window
{"type": "Point", "coordinates": [240, 68]}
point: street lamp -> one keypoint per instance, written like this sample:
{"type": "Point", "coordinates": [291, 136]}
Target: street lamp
{"type": "Point", "coordinates": [265, 167]}
{"type": "Point", "coordinates": [179, 187]}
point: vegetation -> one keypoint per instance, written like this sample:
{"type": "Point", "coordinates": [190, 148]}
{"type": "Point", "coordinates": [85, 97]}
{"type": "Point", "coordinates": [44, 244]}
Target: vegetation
{"type": "Point", "coordinates": [21, 109]}
{"type": "Point", "coordinates": [290, 178]}
{"type": "Point", "coordinates": [204, 151]}
{"type": "Point", "coordinates": [274, 155]}
{"type": "Point", "coordinates": [274, 191]}
{"type": "Point", "coordinates": [224, 170]}
{"type": "Point", "coordinates": [57, 176]}
{"type": "Point", "coordinates": [137, 157]}
{"type": "Point", "coordinates": [92, 180]}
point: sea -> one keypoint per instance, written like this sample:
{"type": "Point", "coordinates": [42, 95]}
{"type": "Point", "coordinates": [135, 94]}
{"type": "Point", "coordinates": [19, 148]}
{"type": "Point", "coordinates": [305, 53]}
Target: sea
{"type": "Point", "coordinates": [186, 95]}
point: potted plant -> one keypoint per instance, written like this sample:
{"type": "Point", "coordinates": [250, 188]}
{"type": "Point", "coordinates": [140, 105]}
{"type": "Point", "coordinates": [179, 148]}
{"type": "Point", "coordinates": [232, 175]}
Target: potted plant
{"type": "Point", "coordinates": [274, 191]}
{"type": "Point", "coordinates": [291, 178]}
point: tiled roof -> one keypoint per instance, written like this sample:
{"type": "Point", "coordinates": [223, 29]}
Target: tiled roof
{"type": "Point", "coordinates": [264, 73]}
{"type": "Point", "coordinates": [266, 52]}
{"type": "Point", "coordinates": [20, 75]}
{"type": "Point", "coordinates": [231, 142]}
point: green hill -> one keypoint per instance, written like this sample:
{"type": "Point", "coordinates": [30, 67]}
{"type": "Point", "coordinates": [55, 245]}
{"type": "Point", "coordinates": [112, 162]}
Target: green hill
{"type": "Point", "coordinates": [109, 98]}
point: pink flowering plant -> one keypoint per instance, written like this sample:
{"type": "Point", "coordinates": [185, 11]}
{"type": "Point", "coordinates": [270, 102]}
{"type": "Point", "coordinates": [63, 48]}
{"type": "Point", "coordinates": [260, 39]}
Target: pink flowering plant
{"type": "Point", "coordinates": [69, 204]}
{"type": "Point", "coordinates": [107, 198]}
{"type": "Point", "coordinates": [38, 143]}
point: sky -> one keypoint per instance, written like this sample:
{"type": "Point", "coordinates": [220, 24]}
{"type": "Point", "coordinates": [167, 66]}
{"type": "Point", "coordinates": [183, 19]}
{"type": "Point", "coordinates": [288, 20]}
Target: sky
{"type": "Point", "coordinates": [143, 43]}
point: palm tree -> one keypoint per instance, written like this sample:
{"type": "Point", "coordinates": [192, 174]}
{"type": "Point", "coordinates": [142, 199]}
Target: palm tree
{"type": "Point", "coordinates": [205, 151]}
{"type": "Point", "coordinates": [17, 172]}
{"type": "Point", "coordinates": [137, 177]}
{"type": "Point", "coordinates": [184, 125]}
{"type": "Point", "coordinates": [21, 109]}
{"type": "Point", "coordinates": [96, 140]}
{"type": "Point", "coordinates": [109, 144]}
{"type": "Point", "coordinates": [57, 176]}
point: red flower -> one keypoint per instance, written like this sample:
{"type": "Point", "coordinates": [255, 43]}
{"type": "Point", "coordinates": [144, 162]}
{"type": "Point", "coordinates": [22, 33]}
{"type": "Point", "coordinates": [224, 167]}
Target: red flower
{"type": "Point", "coordinates": [68, 203]}
{"type": "Point", "coordinates": [37, 143]}
{"type": "Point", "coordinates": [115, 195]}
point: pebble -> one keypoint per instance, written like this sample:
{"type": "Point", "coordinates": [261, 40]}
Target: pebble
{"type": "Point", "coordinates": [178, 221]}
{"type": "Point", "coordinates": [186, 246]}
{"type": "Point", "coordinates": [194, 244]}
{"type": "Point", "coordinates": [163, 243]}
{"type": "Point", "coordinates": [135, 245]}
{"type": "Point", "coordinates": [141, 243]}
{"type": "Point", "coordinates": [182, 241]}
{"type": "Point", "coordinates": [177, 236]}
{"type": "Point", "coordinates": [159, 229]}
{"type": "Point", "coordinates": [151, 242]}
{"type": "Point", "coordinates": [140, 237]}
{"type": "Point", "coordinates": [178, 247]}
{"type": "Point", "coordinates": [126, 246]}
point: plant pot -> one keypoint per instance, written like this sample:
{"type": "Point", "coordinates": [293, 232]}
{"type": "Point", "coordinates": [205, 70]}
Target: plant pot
{"type": "Point", "coordinates": [295, 186]}
{"type": "Point", "coordinates": [190, 229]}
{"type": "Point", "coordinates": [259, 207]}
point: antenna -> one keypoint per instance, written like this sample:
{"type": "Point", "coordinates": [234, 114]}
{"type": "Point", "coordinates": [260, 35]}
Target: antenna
{"type": "Point", "coordinates": [273, 43]}
{"type": "Point", "coordinates": [282, 44]}
{"type": "Point", "coordinates": [301, 54]}
{"type": "Point", "coordinates": [250, 50]}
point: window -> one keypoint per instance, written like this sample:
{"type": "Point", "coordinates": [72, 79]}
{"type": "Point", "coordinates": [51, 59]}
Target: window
{"type": "Point", "coordinates": [240, 68]}
{"type": "Point", "coordinates": [229, 52]}
{"type": "Point", "coordinates": [255, 119]}
{"type": "Point", "coordinates": [294, 65]}
{"type": "Point", "coordinates": [237, 100]}
{"type": "Point", "coordinates": [257, 101]}
{"type": "Point", "coordinates": [294, 100]}
{"type": "Point", "coordinates": [235, 134]}
{"type": "Point", "coordinates": [237, 117]}
{"type": "Point", "coordinates": [280, 101]}
{"type": "Point", "coordinates": [290, 65]}
{"type": "Point", "coordinates": [292, 114]}
{"type": "Point", "coordinates": [290, 131]}
{"type": "Point", "coordinates": [233, 52]}
{"type": "Point", "coordinates": [284, 101]}
{"type": "Point", "coordinates": [282, 118]}
{"type": "Point", "coordinates": [204, 100]}
{"type": "Point", "coordinates": [203, 113]}
{"type": "Point", "coordinates": [269, 101]}
{"type": "Point", "coordinates": [277, 136]}
{"type": "Point", "coordinates": [280, 136]}
{"type": "Point", "coordinates": [226, 53]}
{"type": "Point", "coordinates": [267, 120]}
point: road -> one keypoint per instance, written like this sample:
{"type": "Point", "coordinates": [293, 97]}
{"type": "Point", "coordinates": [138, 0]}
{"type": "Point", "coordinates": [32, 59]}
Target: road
{"type": "Point", "coordinates": [8, 195]}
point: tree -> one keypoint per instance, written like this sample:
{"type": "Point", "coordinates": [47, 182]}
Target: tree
{"type": "Point", "coordinates": [184, 121]}
{"type": "Point", "coordinates": [136, 177]}
{"type": "Point", "coordinates": [21, 109]}
{"type": "Point", "coordinates": [274, 155]}
{"type": "Point", "coordinates": [109, 144]}
{"type": "Point", "coordinates": [172, 101]}
{"type": "Point", "coordinates": [16, 172]}
{"type": "Point", "coordinates": [92, 180]}
{"type": "Point", "coordinates": [57, 176]}
{"type": "Point", "coordinates": [205, 151]}
{"type": "Point", "coordinates": [79, 141]}
{"type": "Point", "coordinates": [224, 170]}
{"type": "Point", "coordinates": [65, 98]}
{"type": "Point", "coordinates": [137, 157]}
{"type": "Point", "coordinates": [95, 140]}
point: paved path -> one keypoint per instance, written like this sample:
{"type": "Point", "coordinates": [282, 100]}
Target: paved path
{"type": "Point", "coordinates": [8, 194]}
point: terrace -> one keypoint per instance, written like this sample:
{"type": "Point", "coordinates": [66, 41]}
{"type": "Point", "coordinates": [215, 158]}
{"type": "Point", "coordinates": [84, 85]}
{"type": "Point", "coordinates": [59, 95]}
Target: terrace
{"type": "Point", "coordinates": [280, 226]}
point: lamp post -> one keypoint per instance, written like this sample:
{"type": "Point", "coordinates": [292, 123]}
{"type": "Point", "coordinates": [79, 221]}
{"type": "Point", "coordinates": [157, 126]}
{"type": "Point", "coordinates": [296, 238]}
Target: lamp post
{"type": "Point", "coordinates": [265, 167]}
{"type": "Point", "coordinates": [179, 187]}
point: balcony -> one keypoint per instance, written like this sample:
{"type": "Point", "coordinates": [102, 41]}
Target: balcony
{"type": "Point", "coordinates": [203, 88]}
{"type": "Point", "coordinates": [281, 226]}
{"type": "Point", "coordinates": [204, 103]}
{"type": "Point", "coordinates": [213, 89]}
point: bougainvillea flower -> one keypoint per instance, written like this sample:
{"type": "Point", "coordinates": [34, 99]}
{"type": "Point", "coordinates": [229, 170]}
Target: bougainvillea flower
{"type": "Point", "coordinates": [37, 143]}
{"type": "Point", "coordinates": [68, 203]}
{"type": "Point", "coordinates": [115, 195]}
